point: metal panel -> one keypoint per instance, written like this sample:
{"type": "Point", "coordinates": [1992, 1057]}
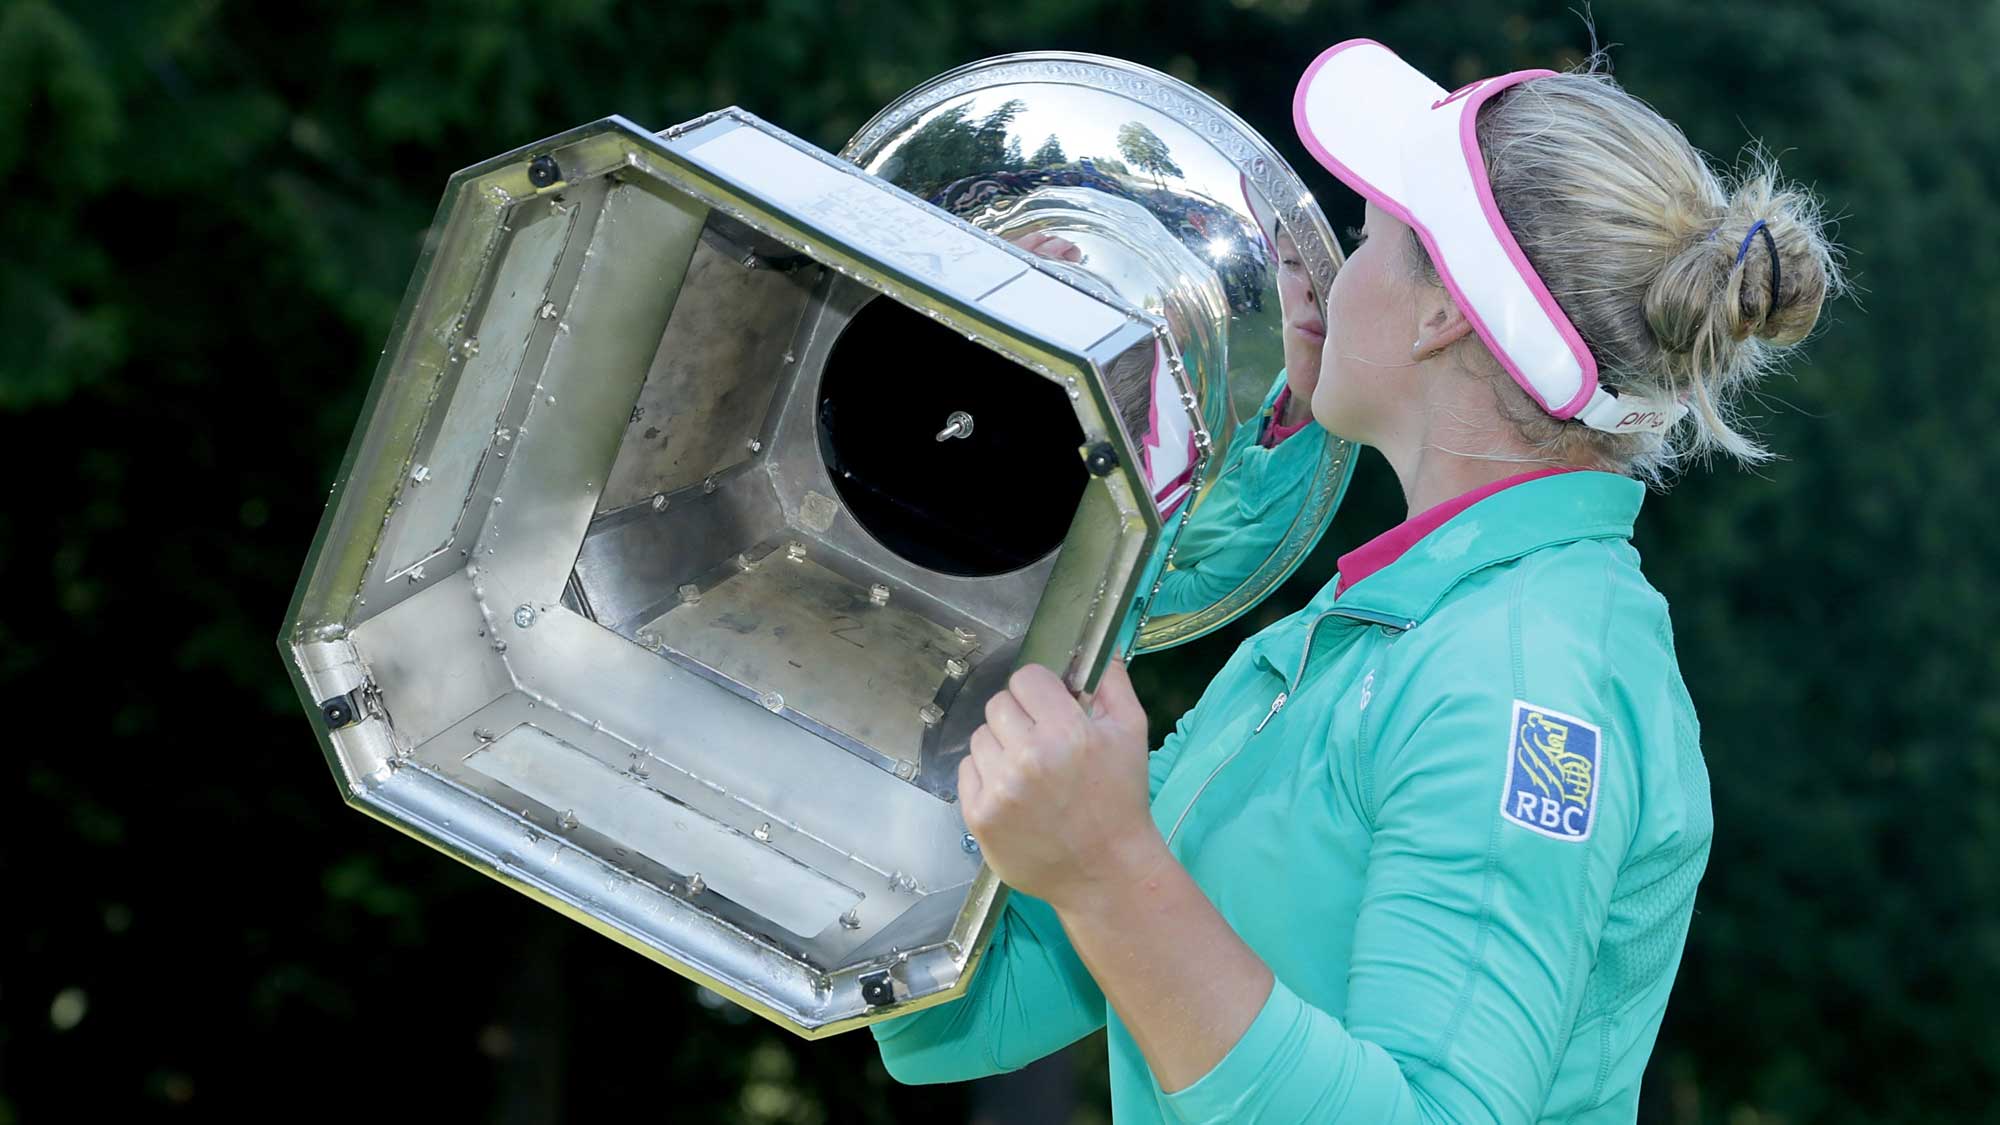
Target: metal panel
{"type": "Point", "coordinates": [540, 766]}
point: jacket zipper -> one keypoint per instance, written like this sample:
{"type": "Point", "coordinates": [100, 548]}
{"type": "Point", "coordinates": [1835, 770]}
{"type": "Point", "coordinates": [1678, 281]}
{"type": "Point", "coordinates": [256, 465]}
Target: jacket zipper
{"type": "Point", "coordinates": [1278, 703]}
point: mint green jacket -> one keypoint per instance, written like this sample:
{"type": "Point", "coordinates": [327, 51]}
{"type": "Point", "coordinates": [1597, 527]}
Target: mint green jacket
{"type": "Point", "coordinates": [1460, 811]}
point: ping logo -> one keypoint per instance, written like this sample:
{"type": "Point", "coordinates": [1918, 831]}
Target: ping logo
{"type": "Point", "coordinates": [1553, 764]}
{"type": "Point", "coordinates": [1647, 419]}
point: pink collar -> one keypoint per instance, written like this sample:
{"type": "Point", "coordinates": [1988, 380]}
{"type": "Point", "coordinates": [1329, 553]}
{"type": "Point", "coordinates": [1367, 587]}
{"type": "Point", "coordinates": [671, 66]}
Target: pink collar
{"type": "Point", "coordinates": [1275, 433]}
{"type": "Point", "coordinates": [1389, 546]}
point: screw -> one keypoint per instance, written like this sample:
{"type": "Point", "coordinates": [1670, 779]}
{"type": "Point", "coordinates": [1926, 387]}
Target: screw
{"type": "Point", "coordinates": [852, 919]}
{"type": "Point", "coordinates": [524, 616]}
{"type": "Point", "coordinates": [659, 501]}
{"type": "Point", "coordinates": [543, 171]}
{"type": "Point", "coordinates": [931, 714]}
{"type": "Point", "coordinates": [708, 485]}
{"type": "Point", "coordinates": [795, 551]}
{"type": "Point", "coordinates": [690, 594]}
{"type": "Point", "coordinates": [1100, 459]}
{"type": "Point", "coordinates": [755, 445]}
{"type": "Point", "coordinates": [695, 885]}
{"type": "Point", "coordinates": [955, 668]}
{"type": "Point", "coordinates": [763, 833]}
{"type": "Point", "coordinates": [970, 845]}
{"type": "Point", "coordinates": [957, 424]}
{"type": "Point", "coordinates": [878, 594]}
{"type": "Point", "coordinates": [772, 701]}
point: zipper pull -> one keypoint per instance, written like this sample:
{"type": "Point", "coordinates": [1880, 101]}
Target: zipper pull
{"type": "Point", "coordinates": [1277, 705]}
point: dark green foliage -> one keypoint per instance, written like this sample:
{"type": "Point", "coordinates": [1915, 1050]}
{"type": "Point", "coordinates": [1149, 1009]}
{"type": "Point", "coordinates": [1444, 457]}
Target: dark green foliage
{"type": "Point", "coordinates": [214, 208]}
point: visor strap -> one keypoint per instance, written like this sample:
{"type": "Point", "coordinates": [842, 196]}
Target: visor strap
{"type": "Point", "coordinates": [1613, 413]}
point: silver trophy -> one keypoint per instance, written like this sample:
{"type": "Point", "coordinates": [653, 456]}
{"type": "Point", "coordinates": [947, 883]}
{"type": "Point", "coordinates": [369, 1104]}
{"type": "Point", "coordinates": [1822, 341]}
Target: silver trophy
{"type": "Point", "coordinates": [710, 484]}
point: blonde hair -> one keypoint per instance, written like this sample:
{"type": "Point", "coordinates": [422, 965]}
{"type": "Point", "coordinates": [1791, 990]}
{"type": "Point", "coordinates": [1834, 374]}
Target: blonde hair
{"type": "Point", "coordinates": [1637, 237]}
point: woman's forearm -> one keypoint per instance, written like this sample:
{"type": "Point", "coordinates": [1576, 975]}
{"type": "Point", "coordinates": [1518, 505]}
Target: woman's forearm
{"type": "Point", "coordinates": [1184, 984]}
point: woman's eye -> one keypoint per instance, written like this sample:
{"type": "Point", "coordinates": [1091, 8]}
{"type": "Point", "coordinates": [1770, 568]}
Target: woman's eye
{"type": "Point", "coordinates": [1290, 263]}
{"type": "Point", "coordinates": [1357, 234]}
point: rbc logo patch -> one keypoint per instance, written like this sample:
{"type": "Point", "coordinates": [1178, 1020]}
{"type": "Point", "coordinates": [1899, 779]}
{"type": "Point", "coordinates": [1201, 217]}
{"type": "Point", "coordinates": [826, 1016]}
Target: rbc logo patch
{"type": "Point", "coordinates": [1552, 773]}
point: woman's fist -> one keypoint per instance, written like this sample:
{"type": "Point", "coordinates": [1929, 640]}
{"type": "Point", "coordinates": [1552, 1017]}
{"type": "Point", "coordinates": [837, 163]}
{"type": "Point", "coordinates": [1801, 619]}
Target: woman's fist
{"type": "Point", "coordinates": [1055, 787]}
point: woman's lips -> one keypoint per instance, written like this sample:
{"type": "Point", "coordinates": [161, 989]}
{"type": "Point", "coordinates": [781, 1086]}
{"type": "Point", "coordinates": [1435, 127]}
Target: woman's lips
{"type": "Point", "coordinates": [1314, 332]}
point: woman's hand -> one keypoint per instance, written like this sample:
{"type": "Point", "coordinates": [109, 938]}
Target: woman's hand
{"type": "Point", "coordinates": [1055, 788]}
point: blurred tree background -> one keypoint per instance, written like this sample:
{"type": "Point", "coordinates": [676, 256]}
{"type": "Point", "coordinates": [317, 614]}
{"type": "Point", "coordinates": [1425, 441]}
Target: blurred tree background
{"type": "Point", "coordinates": [215, 209]}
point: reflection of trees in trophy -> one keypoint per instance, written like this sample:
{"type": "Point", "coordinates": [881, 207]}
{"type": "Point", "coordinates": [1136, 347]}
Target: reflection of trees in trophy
{"type": "Point", "coordinates": [1050, 154]}
{"type": "Point", "coordinates": [945, 146]}
{"type": "Point", "coordinates": [1147, 151]}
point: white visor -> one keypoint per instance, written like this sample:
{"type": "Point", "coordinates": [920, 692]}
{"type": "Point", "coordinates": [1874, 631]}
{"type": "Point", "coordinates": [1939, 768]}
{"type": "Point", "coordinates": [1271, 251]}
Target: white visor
{"type": "Point", "coordinates": [1396, 137]}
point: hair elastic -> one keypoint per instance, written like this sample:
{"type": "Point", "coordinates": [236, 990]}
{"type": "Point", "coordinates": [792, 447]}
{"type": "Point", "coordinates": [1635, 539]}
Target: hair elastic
{"type": "Point", "coordinates": [1770, 244]}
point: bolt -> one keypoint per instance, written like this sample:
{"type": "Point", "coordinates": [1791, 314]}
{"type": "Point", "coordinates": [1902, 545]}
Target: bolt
{"type": "Point", "coordinates": [878, 594]}
{"type": "Point", "coordinates": [964, 634]}
{"type": "Point", "coordinates": [690, 594]}
{"type": "Point", "coordinates": [955, 668]}
{"type": "Point", "coordinates": [568, 820]}
{"type": "Point", "coordinates": [970, 845]}
{"type": "Point", "coordinates": [763, 833]}
{"type": "Point", "coordinates": [708, 485]}
{"type": "Point", "coordinates": [931, 714]}
{"type": "Point", "coordinates": [756, 446]}
{"type": "Point", "coordinates": [543, 171]}
{"type": "Point", "coordinates": [420, 474]}
{"type": "Point", "coordinates": [695, 885]}
{"type": "Point", "coordinates": [795, 551]}
{"type": "Point", "coordinates": [957, 424]}
{"type": "Point", "coordinates": [524, 616]}
{"type": "Point", "coordinates": [659, 501]}
{"type": "Point", "coordinates": [772, 701]}
{"type": "Point", "coordinates": [852, 919]}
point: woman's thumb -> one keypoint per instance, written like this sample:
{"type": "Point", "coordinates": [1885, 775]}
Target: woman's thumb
{"type": "Point", "coordinates": [1114, 700]}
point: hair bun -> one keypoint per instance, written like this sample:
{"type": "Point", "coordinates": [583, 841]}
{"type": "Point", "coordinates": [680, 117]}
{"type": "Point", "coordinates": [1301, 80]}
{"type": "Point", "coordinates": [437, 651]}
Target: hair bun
{"type": "Point", "coordinates": [1708, 298]}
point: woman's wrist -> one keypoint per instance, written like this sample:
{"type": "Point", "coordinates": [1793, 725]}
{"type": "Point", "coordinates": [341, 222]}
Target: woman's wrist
{"type": "Point", "coordinates": [1131, 870]}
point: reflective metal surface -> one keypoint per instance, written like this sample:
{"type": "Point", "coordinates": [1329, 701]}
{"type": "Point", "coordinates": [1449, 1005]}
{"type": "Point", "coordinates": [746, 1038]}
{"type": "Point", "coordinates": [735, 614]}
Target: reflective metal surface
{"type": "Point", "coordinates": [1151, 189]}
{"type": "Point", "coordinates": [596, 606]}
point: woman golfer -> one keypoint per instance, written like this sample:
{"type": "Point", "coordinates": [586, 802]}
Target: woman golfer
{"type": "Point", "coordinates": [1427, 849]}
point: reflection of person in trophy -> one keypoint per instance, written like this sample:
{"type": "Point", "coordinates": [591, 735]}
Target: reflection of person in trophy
{"type": "Point", "coordinates": [1246, 511]}
{"type": "Point", "coordinates": [1427, 849]}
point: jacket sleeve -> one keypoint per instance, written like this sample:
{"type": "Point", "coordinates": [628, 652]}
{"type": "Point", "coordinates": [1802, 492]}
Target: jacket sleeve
{"type": "Point", "coordinates": [1475, 935]}
{"type": "Point", "coordinates": [1030, 997]}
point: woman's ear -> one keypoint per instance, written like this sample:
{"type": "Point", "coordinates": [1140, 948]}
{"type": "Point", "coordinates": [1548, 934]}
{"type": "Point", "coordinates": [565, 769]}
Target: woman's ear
{"type": "Point", "coordinates": [1440, 326]}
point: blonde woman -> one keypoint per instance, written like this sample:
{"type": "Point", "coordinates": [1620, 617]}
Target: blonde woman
{"type": "Point", "coordinates": [1427, 849]}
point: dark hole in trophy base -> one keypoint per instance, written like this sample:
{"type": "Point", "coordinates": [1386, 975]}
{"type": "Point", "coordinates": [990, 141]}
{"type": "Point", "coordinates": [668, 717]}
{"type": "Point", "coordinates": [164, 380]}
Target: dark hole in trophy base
{"type": "Point", "coordinates": [984, 502]}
